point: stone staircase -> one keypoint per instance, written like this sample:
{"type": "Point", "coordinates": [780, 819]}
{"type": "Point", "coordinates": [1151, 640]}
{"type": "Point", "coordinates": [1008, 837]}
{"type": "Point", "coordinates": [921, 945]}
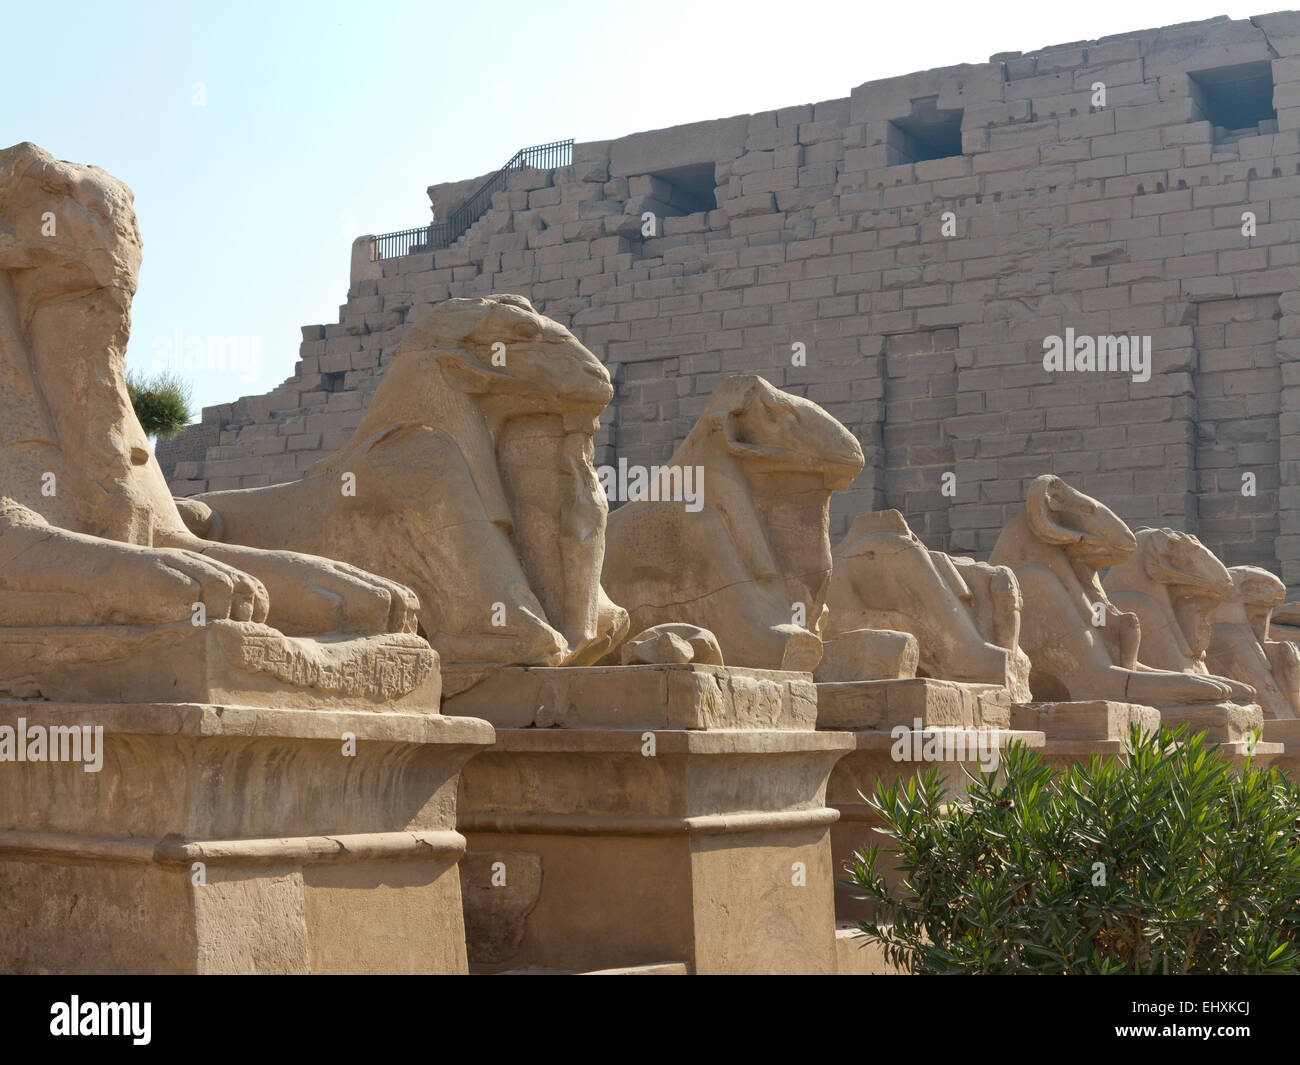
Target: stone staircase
{"type": "Point", "coordinates": [460, 223]}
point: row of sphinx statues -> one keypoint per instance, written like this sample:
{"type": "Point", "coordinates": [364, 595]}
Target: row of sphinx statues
{"type": "Point", "coordinates": [466, 511]}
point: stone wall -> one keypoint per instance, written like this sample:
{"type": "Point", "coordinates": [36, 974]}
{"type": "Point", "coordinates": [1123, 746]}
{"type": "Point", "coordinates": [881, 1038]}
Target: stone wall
{"type": "Point", "coordinates": [824, 225]}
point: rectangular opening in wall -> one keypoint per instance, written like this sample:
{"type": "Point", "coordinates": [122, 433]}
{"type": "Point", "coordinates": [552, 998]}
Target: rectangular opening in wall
{"type": "Point", "coordinates": [927, 133]}
{"type": "Point", "coordinates": [689, 189]}
{"type": "Point", "coordinates": [1238, 100]}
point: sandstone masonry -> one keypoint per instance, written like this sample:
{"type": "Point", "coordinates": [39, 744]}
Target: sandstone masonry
{"type": "Point", "coordinates": [824, 225]}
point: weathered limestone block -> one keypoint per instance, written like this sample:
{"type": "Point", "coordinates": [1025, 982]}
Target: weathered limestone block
{"type": "Point", "coordinates": [882, 704]}
{"type": "Point", "coordinates": [1283, 737]}
{"type": "Point", "coordinates": [868, 654]}
{"type": "Point", "coordinates": [690, 696]}
{"type": "Point", "coordinates": [1076, 731]}
{"type": "Point", "coordinates": [751, 560]}
{"type": "Point", "coordinates": [230, 839]}
{"type": "Point", "coordinates": [232, 662]}
{"type": "Point", "coordinates": [1285, 622]}
{"type": "Point", "coordinates": [470, 478]}
{"type": "Point", "coordinates": [678, 643]}
{"type": "Point", "coordinates": [964, 614]}
{"type": "Point", "coordinates": [500, 889]}
{"type": "Point", "coordinates": [678, 813]}
{"type": "Point", "coordinates": [714, 851]}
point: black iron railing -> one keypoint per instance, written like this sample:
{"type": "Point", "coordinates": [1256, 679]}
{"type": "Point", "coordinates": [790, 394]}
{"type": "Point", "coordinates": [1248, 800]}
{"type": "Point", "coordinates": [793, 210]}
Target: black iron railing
{"type": "Point", "coordinates": [445, 233]}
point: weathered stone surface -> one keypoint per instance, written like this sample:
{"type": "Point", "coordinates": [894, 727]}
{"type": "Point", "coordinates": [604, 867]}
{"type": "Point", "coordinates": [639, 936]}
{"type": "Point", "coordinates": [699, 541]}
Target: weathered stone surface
{"type": "Point", "coordinates": [233, 662]}
{"type": "Point", "coordinates": [470, 479]}
{"type": "Point", "coordinates": [1242, 644]}
{"type": "Point", "coordinates": [882, 704]}
{"type": "Point", "coordinates": [690, 696]}
{"type": "Point", "coordinates": [1173, 584]}
{"type": "Point", "coordinates": [926, 339]}
{"type": "Point", "coordinates": [500, 889]}
{"type": "Point", "coordinates": [752, 562]}
{"type": "Point", "coordinates": [219, 839]}
{"type": "Point", "coordinates": [714, 849]}
{"type": "Point", "coordinates": [964, 615]}
{"type": "Point", "coordinates": [89, 535]}
{"type": "Point", "coordinates": [1098, 720]}
{"type": "Point", "coordinates": [1080, 645]}
{"type": "Point", "coordinates": [672, 643]}
{"type": "Point", "coordinates": [867, 654]}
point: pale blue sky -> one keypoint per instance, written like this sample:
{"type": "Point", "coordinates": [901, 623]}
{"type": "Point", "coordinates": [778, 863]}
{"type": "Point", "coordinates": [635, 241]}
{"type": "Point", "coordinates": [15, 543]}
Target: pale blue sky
{"type": "Point", "coordinates": [326, 120]}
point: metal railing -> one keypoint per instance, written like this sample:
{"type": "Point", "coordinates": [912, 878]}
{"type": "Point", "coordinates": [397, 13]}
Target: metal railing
{"type": "Point", "coordinates": [444, 234]}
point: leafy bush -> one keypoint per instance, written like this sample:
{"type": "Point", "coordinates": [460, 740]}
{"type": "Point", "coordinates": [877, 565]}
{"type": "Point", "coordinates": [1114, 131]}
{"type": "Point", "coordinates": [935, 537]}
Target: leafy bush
{"type": "Point", "coordinates": [1171, 861]}
{"type": "Point", "coordinates": [161, 402]}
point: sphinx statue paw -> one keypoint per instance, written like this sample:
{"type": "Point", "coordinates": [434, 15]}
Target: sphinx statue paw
{"type": "Point", "coordinates": [53, 576]}
{"type": "Point", "coordinates": [672, 644]}
{"type": "Point", "coordinates": [612, 626]}
{"type": "Point", "coordinates": [311, 595]}
{"type": "Point", "coordinates": [337, 597]}
{"type": "Point", "coordinates": [167, 575]}
{"type": "Point", "coordinates": [1161, 689]}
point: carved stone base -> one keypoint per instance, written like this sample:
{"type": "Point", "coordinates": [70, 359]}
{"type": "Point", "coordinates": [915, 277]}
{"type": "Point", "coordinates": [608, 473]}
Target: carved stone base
{"type": "Point", "coordinates": [857, 956]}
{"type": "Point", "coordinates": [1076, 731]}
{"type": "Point", "coordinates": [899, 728]}
{"type": "Point", "coordinates": [1236, 728]}
{"type": "Point", "coordinates": [648, 696]}
{"type": "Point", "coordinates": [228, 662]}
{"type": "Point", "coordinates": [218, 839]}
{"type": "Point", "coordinates": [1287, 733]}
{"type": "Point", "coordinates": [639, 827]}
{"type": "Point", "coordinates": [713, 849]}
{"type": "Point", "coordinates": [882, 704]}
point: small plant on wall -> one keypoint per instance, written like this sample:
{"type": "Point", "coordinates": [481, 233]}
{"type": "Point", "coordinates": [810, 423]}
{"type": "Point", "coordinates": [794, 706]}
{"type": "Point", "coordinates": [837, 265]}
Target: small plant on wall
{"type": "Point", "coordinates": [1170, 860]}
{"type": "Point", "coordinates": [161, 402]}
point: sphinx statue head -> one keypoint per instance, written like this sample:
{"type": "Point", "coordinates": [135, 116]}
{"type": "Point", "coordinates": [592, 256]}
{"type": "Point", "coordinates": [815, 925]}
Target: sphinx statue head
{"type": "Point", "coordinates": [1082, 642]}
{"type": "Point", "coordinates": [1086, 531]}
{"type": "Point", "coordinates": [752, 564]}
{"type": "Point", "coordinates": [90, 539]}
{"type": "Point", "coordinates": [1242, 646]}
{"type": "Point", "coordinates": [1173, 582]}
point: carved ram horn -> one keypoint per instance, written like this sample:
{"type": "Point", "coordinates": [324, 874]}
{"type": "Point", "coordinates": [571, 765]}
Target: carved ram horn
{"type": "Point", "coordinates": [1043, 499]}
{"type": "Point", "coordinates": [473, 379]}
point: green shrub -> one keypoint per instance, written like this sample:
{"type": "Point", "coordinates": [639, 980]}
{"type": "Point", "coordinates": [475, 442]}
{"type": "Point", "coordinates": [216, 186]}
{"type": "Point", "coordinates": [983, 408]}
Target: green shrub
{"type": "Point", "coordinates": [161, 402]}
{"type": "Point", "coordinates": [1171, 861]}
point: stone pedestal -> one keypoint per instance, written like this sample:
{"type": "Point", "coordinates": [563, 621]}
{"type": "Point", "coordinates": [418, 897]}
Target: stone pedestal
{"type": "Point", "coordinates": [225, 839]}
{"type": "Point", "coordinates": [899, 728]}
{"type": "Point", "coordinates": [229, 663]}
{"type": "Point", "coordinates": [648, 814]}
{"type": "Point", "coordinates": [1238, 729]}
{"type": "Point", "coordinates": [1286, 733]}
{"type": "Point", "coordinates": [1076, 731]}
